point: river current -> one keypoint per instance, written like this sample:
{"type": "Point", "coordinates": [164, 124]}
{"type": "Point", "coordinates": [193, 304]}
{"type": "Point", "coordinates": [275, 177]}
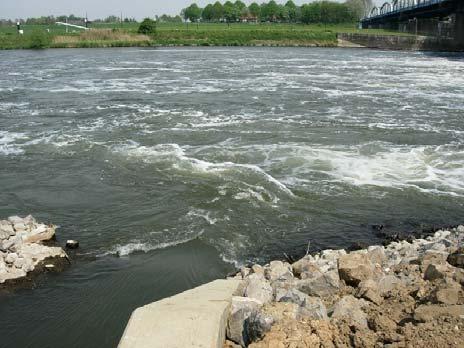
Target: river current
{"type": "Point", "coordinates": [173, 166]}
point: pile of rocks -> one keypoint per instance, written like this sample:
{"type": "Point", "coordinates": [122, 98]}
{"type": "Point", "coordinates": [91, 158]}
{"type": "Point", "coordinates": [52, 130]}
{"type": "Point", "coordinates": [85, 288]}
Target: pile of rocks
{"type": "Point", "coordinates": [407, 294]}
{"type": "Point", "coordinates": [22, 249]}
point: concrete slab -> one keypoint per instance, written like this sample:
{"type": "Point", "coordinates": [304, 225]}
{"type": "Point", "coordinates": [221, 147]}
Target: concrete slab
{"type": "Point", "coordinates": [196, 318]}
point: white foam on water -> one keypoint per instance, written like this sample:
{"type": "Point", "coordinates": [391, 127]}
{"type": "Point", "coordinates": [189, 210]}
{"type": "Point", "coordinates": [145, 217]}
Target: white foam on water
{"type": "Point", "coordinates": [139, 246]}
{"type": "Point", "coordinates": [8, 145]}
{"type": "Point", "coordinates": [430, 169]}
{"type": "Point", "coordinates": [175, 156]}
{"type": "Point", "coordinates": [203, 214]}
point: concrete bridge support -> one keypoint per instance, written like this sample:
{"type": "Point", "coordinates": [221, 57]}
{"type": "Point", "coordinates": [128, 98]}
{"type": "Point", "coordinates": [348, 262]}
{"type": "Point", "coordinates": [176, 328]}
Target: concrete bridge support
{"type": "Point", "coordinates": [459, 25]}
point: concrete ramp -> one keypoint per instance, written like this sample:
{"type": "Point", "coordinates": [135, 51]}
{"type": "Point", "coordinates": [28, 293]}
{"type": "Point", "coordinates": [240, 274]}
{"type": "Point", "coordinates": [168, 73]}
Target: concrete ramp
{"type": "Point", "coordinates": [195, 318]}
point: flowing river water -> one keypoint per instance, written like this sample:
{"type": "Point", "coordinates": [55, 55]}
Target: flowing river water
{"type": "Point", "coordinates": [173, 166]}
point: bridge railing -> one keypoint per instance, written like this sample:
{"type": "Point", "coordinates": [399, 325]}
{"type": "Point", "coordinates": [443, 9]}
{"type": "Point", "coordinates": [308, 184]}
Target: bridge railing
{"type": "Point", "coordinates": [398, 9]}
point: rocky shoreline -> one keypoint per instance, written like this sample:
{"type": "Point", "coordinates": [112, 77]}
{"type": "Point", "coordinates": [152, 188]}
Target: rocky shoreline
{"type": "Point", "coordinates": [406, 294]}
{"type": "Point", "coordinates": [25, 251]}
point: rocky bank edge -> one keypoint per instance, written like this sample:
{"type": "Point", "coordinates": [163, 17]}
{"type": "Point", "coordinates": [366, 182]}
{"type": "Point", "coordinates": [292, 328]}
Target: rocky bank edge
{"type": "Point", "coordinates": [407, 294]}
{"type": "Point", "coordinates": [22, 248]}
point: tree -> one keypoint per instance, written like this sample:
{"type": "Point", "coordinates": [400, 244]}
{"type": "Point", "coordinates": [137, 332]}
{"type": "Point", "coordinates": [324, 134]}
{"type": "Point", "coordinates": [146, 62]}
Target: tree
{"type": "Point", "coordinates": [192, 13]}
{"type": "Point", "coordinates": [270, 11]}
{"type": "Point", "coordinates": [218, 11]}
{"type": "Point", "coordinates": [208, 13]}
{"type": "Point", "coordinates": [293, 11]}
{"type": "Point", "coordinates": [147, 27]}
{"type": "Point", "coordinates": [255, 10]}
{"type": "Point", "coordinates": [231, 13]}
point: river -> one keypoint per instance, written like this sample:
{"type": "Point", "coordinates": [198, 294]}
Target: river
{"type": "Point", "coordinates": [173, 166]}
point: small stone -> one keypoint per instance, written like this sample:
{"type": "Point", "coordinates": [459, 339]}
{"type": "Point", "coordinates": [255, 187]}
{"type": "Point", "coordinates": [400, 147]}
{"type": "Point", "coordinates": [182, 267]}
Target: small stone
{"type": "Point", "coordinates": [11, 258]}
{"type": "Point", "coordinates": [74, 244]}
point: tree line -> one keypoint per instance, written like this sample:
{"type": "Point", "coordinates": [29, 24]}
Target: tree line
{"type": "Point", "coordinates": [49, 20]}
{"type": "Point", "coordinates": [325, 11]}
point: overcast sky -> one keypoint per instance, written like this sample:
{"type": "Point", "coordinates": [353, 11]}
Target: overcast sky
{"type": "Point", "coordinates": [99, 8]}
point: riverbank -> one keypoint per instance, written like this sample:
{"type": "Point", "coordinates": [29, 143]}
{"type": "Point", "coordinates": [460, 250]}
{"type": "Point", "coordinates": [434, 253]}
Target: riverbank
{"type": "Point", "coordinates": [202, 35]}
{"type": "Point", "coordinates": [401, 295]}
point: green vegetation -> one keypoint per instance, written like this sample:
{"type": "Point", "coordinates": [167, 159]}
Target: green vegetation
{"type": "Point", "coordinates": [147, 27]}
{"type": "Point", "coordinates": [217, 24]}
{"type": "Point", "coordinates": [314, 12]}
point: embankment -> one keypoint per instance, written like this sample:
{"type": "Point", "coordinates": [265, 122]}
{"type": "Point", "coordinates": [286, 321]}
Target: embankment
{"type": "Point", "coordinates": [403, 295]}
{"type": "Point", "coordinates": [397, 42]}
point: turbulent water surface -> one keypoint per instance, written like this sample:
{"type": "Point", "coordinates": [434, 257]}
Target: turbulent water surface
{"type": "Point", "coordinates": [171, 166]}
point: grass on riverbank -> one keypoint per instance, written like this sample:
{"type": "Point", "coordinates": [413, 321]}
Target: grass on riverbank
{"type": "Point", "coordinates": [168, 34]}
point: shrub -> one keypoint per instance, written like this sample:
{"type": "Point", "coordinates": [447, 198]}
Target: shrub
{"type": "Point", "coordinates": [39, 39]}
{"type": "Point", "coordinates": [147, 27]}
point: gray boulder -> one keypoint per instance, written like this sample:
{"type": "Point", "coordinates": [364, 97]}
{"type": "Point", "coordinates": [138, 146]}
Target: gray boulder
{"type": "Point", "coordinates": [309, 307]}
{"type": "Point", "coordinates": [238, 326]}
{"type": "Point", "coordinates": [278, 270]}
{"type": "Point", "coordinates": [321, 284]}
{"type": "Point", "coordinates": [258, 288]}
{"type": "Point", "coordinates": [257, 325]}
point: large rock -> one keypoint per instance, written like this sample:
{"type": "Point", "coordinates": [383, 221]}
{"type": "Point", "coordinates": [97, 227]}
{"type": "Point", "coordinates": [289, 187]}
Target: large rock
{"type": "Point", "coordinates": [258, 288]}
{"type": "Point", "coordinates": [321, 284]}
{"type": "Point", "coordinates": [278, 270]}
{"type": "Point", "coordinates": [369, 290]}
{"type": "Point", "coordinates": [448, 293]}
{"type": "Point", "coordinates": [354, 268]}
{"type": "Point", "coordinates": [457, 258]}
{"type": "Point", "coordinates": [434, 272]}
{"type": "Point", "coordinates": [238, 326]}
{"type": "Point", "coordinates": [257, 325]}
{"type": "Point", "coordinates": [306, 264]}
{"type": "Point", "coordinates": [351, 308]}
{"type": "Point", "coordinates": [309, 307]}
{"type": "Point", "coordinates": [6, 229]}
{"type": "Point", "coordinates": [389, 283]}
{"type": "Point", "coordinates": [313, 308]}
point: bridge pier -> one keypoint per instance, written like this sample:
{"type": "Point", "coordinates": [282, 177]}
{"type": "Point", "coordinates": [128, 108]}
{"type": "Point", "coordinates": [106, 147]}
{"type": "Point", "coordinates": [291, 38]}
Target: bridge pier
{"type": "Point", "coordinates": [459, 25]}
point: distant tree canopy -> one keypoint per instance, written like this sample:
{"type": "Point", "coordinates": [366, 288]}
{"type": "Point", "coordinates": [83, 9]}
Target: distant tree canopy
{"type": "Point", "coordinates": [314, 12]}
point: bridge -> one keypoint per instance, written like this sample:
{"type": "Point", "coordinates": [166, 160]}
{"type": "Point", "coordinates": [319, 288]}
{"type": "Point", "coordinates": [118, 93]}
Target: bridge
{"type": "Point", "coordinates": [443, 18]}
